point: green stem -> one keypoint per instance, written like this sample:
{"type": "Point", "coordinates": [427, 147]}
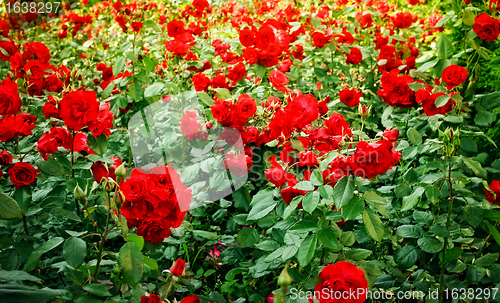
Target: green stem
{"type": "Point", "coordinates": [103, 239]}
{"type": "Point", "coordinates": [448, 223]}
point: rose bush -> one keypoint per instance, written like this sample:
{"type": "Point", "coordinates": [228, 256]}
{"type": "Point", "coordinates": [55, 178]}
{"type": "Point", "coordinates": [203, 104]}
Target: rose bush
{"type": "Point", "coordinates": [351, 132]}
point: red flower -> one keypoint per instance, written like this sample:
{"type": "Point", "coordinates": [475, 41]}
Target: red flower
{"type": "Point", "coordinates": [152, 298]}
{"type": "Point", "coordinates": [191, 299]}
{"type": "Point", "coordinates": [200, 82]}
{"type": "Point", "coordinates": [251, 55]}
{"type": "Point", "coordinates": [308, 158]}
{"type": "Point", "coordinates": [495, 187]}
{"type": "Point", "coordinates": [236, 165]}
{"type": "Point", "coordinates": [371, 160]}
{"type": "Point", "coordinates": [289, 193]}
{"type": "Point", "coordinates": [175, 27]}
{"type": "Point", "coordinates": [37, 69]}
{"type": "Point", "coordinates": [279, 80]}
{"type": "Point", "coordinates": [4, 28]}
{"type": "Point", "coordinates": [9, 47]}
{"type": "Point", "coordinates": [396, 91]}
{"type": "Point", "coordinates": [355, 56]}
{"type": "Point", "coordinates": [22, 174]}
{"type": "Point", "coordinates": [403, 20]}
{"type": "Point", "coordinates": [53, 83]}
{"type": "Point", "coordinates": [343, 277]}
{"type": "Point", "coordinates": [454, 75]}
{"type": "Point", "coordinates": [178, 268]}
{"type": "Point", "coordinates": [38, 49]}
{"type": "Point", "coordinates": [10, 103]}
{"type": "Point", "coordinates": [429, 104]}
{"type": "Point", "coordinates": [154, 230]}
{"type": "Point", "coordinates": [302, 110]}
{"type": "Point", "coordinates": [247, 37]}
{"type": "Point", "coordinates": [245, 106]}
{"type": "Point", "coordinates": [350, 97]}
{"type": "Point", "coordinates": [103, 122]}
{"type": "Point", "coordinates": [5, 157]}
{"type": "Point", "coordinates": [78, 109]}
{"type": "Point", "coordinates": [190, 127]}
{"type": "Point", "coordinates": [49, 142]}
{"type": "Point", "coordinates": [136, 26]}
{"type": "Point", "coordinates": [275, 174]}
{"type": "Point", "coordinates": [486, 27]}
{"type": "Point", "coordinates": [221, 111]}
{"type": "Point", "coordinates": [237, 72]}
{"type": "Point", "coordinates": [99, 171]}
{"type": "Point", "coordinates": [319, 39]}
{"type": "Point", "coordinates": [391, 134]}
{"type": "Point", "coordinates": [20, 125]}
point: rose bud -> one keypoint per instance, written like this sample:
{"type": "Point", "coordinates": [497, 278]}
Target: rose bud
{"type": "Point", "coordinates": [391, 134]}
{"type": "Point", "coordinates": [178, 268]}
{"type": "Point", "coordinates": [284, 278]}
{"type": "Point", "coordinates": [208, 125]}
{"type": "Point", "coordinates": [120, 170]}
{"type": "Point", "coordinates": [99, 171]}
{"type": "Point", "coordinates": [79, 194]}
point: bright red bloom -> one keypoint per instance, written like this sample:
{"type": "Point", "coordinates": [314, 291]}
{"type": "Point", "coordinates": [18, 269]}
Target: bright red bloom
{"type": "Point", "coordinates": [79, 108]}
{"type": "Point", "coordinates": [396, 91]}
{"type": "Point", "coordinates": [371, 160]}
{"type": "Point", "coordinates": [190, 127]}
{"type": "Point", "coordinates": [454, 75]}
{"type": "Point", "coordinates": [245, 107]}
{"type": "Point", "coordinates": [302, 110]}
{"type": "Point", "coordinates": [178, 268]}
{"type": "Point", "coordinates": [191, 299]}
{"type": "Point", "coordinates": [278, 80]}
{"type": "Point", "coordinates": [486, 27]}
{"type": "Point", "coordinates": [494, 197]}
{"type": "Point", "coordinates": [22, 174]}
{"type": "Point", "coordinates": [10, 102]}
{"type": "Point", "coordinates": [99, 171]}
{"type": "Point", "coordinates": [5, 157]}
{"type": "Point", "coordinates": [103, 122]}
{"type": "Point", "coordinates": [403, 20]}
{"type": "Point", "coordinates": [350, 97]}
{"type": "Point", "coordinates": [20, 125]}
{"type": "Point", "coordinates": [175, 27]}
{"type": "Point", "coordinates": [237, 72]}
{"type": "Point", "coordinates": [136, 26]}
{"type": "Point", "coordinates": [355, 56]}
{"type": "Point", "coordinates": [200, 82]}
{"type": "Point", "coordinates": [152, 298]}
{"type": "Point", "coordinates": [391, 134]}
{"type": "Point", "coordinates": [247, 37]}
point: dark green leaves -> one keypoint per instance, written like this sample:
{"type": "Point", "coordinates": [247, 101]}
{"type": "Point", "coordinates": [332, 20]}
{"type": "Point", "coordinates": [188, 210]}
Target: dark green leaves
{"type": "Point", "coordinates": [444, 47]}
{"type": "Point", "coordinates": [406, 256]}
{"type": "Point", "coordinates": [373, 224]}
{"type": "Point", "coordinates": [306, 250]}
{"type": "Point", "coordinates": [99, 144]}
{"type": "Point", "coordinates": [343, 191]}
{"type": "Point", "coordinates": [261, 209]}
{"type": "Point", "coordinates": [473, 215]}
{"type": "Point", "coordinates": [132, 263]}
{"type": "Point", "coordinates": [310, 201]}
{"type": "Point", "coordinates": [9, 209]}
{"type": "Point", "coordinates": [248, 237]}
{"type": "Point", "coordinates": [74, 251]}
{"type": "Point", "coordinates": [50, 167]}
{"type": "Point", "coordinates": [430, 244]}
{"type": "Point", "coordinates": [45, 247]}
{"type": "Point", "coordinates": [352, 209]}
{"type": "Point", "coordinates": [328, 238]}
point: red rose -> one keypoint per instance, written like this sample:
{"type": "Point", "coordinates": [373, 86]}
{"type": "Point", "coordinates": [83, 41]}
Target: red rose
{"type": "Point", "coordinates": [35, 87]}
{"type": "Point", "coordinates": [236, 165]}
{"type": "Point", "coordinates": [175, 27]}
{"type": "Point", "coordinates": [152, 298]}
{"type": "Point", "coordinates": [373, 159]}
{"type": "Point", "coordinates": [190, 127]}
{"type": "Point", "coordinates": [191, 299]}
{"type": "Point", "coordinates": [279, 80]}
{"type": "Point", "coordinates": [486, 27]}
{"type": "Point", "coordinates": [247, 37]}
{"type": "Point", "coordinates": [319, 39]}
{"type": "Point", "coordinates": [350, 97]}
{"type": "Point", "coordinates": [454, 75]}
{"type": "Point", "coordinates": [103, 123]}
{"type": "Point", "coordinates": [4, 28]}
{"type": "Point", "coordinates": [135, 187]}
{"type": "Point", "coordinates": [136, 26]}
{"type": "Point", "coordinates": [37, 69]}
{"type": "Point", "coordinates": [308, 158]}
{"type": "Point", "coordinates": [396, 91]}
{"type": "Point", "coordinates": [391, 134]}
{"type": "Point", "coordinates": [238, 72]}
{"type": "Point", "coordinates": [289, 193]}
{"type": "Point", "coordinates": [49, 142]}
{"type": "Point", "coordinates": [245, 106]}
{"type": "Point", "coordinates": [49, 110]}
{"type": "Point", "coordinates": [403, 20]}
{"type": "Point", "coordinates": [342, 277]}
{"type": "Point", "coordinates": [265, 36]}
{"type": "Point", "coordinates": [99, 171]}
{"type": "Point", "coordinates": [200, 4]}
{"type": "Point", "coordinates": [267, 59]}
{"type": "Point", "coordinates": [10, 103]}
{"type": "Point", "coordinates": [9, 47]}
{"type": "Point", "coordinates": [78, 109]}
{"type": "Point", "coordinates": [53, 83]}
{"type": "Point", "coordinates": [178, 268]}
{"type": "Point", "coordinates": [22, 174]}
{"type": "Point", "coordinates": [251, 55]}
{"type": "Point", "coordinates": [200, 82]}
{"type": "Point", "coordinates": [38, 49]}
{"type": "Point", "coordinates": [495, 187]}
{"type": "Point", "coordinates": [154, 231]}
{"type": "Point", "coordinates": [275, 174]}
{"type": "Point", "coordinates": [20, 125]}
{"type": "Point", "coordinates": [430, 108]}
{"type": "Point", "coordinates": [355, 56]}
{"type": "Point", "coordinates": [5, 157]}
{"type": "Point", "coordinates": [302, 110]}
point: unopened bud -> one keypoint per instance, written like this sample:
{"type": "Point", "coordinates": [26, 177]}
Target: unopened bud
{"type": "Point", "coordinates": [79, 194]}
{"type": "Point", "coordinates": [284, 278]}
{"type": "Point", "coordinates": [363, 111]}
{"type": "Point", "coordinates": [120, 170]}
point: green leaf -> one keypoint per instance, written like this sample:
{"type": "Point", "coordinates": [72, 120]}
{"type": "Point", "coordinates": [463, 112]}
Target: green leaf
{"type": "Point", "coordinates": [483, 117]}
{"type": "Point", "coordinates": [307, 250]}
{"type": "Point", "coordinates": [132, 263]}
{"type": "Point", "coordinates": [135, 90]}
{"type": "Point", "coordinates": [316, 178]}
{"type": "Point", "coordinates": [50, 167]}
{"type": "Point", "coordinates": [99, 145]}
{"type": "Point", "coordinates": [138, 240]}
{"type": "Point", "coordinates": [343, 191]}
{"type": "Point", "coordinates": [491, 101]}
{"type": "Point", "coordinates": [268, 245]}
{"type": "Point", "coordinates": [223, 93]}
{"type": "Point", "coordinates": [451, 254]}
{"type": "Point", "coordinates": [492, 215]}
{"type": "Point", "coordinates": [473, 215]}
{"type": "Point", "coordinates": [248, 237]}
{"type": "Point", "coordinates": [206, 234]}
{"type": "Point", "coordinates": [410, 231]}
{"type": "Point", "coordinates": [374, 226]}
{"type": "Point", "coordinates": [262, 195]}
{"type": "Point", "coordinates": [433, 194]}
{"type": "Point", "coordinates": [474, 274]}
{"type": "Point", "coordinates": [205, 98]}
{"type": "Point", "coordinates": [65, 213]}
{"type": "Point", "coordinates": [22, 195]}
{"type": "Point", "coordinates": [425, 67]}
{"type": "Point", "coordinates": [475, 166]}
{"type": "Point", "coordinates": [406, 256]}
{"type": "Point", "coordinates": [352, 209]}
{"type": "Point", "coordinates": [18, 275]}
{"type": "Point", "coordinates": [414, 136]}
{"type": "Point", "coordinates": [153, 25]}
{"type": "Point", "coordinates": [261, 209]}
{"type": "Point", "coordinates": [442, 100]}
{"type": "Point", "coordinates": [357, 254]}
{"type": "Point", "coordinates": [293, 205]}
{"type": "Point", "coordinates": [486, 260]}
{"type": "Point", "coordinates": [303, 227]}
{"type": "Point", "coordinates": [154, 89]}
{"type": "Point", "coordinates": [304, 185]}
{"type": "Point", "coordinates": [310, 201]}
{"type": "Point", "coordinates": [74, 251]}
{"type": "Point", "coordinates": [444, 47]}
{"type": "Point", "coordinates": [97, 289]}
{"type": "Point", "coordinates": [411, 201]}
{"type": "Point", "coordinates": [241, 199]}
{"type": "Point", "coordinates": [37, 254]}
{"type": "Point", "coordinates": [327, 236]}
{"type": "Point", "coordinates": [118, 66]}
{"type": "Point", "coordinates": [494, 232]}
{"type": "Point", "coordinates": [108, 90]}
{"type": "Point", "coordinates": [16, 293]}
{"type": "Point", "coordinates": [9, 209]}
{"type": "Point", "coordinates": [372, 196]}
{"type": "Point", "coordinates": [430, 245]}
